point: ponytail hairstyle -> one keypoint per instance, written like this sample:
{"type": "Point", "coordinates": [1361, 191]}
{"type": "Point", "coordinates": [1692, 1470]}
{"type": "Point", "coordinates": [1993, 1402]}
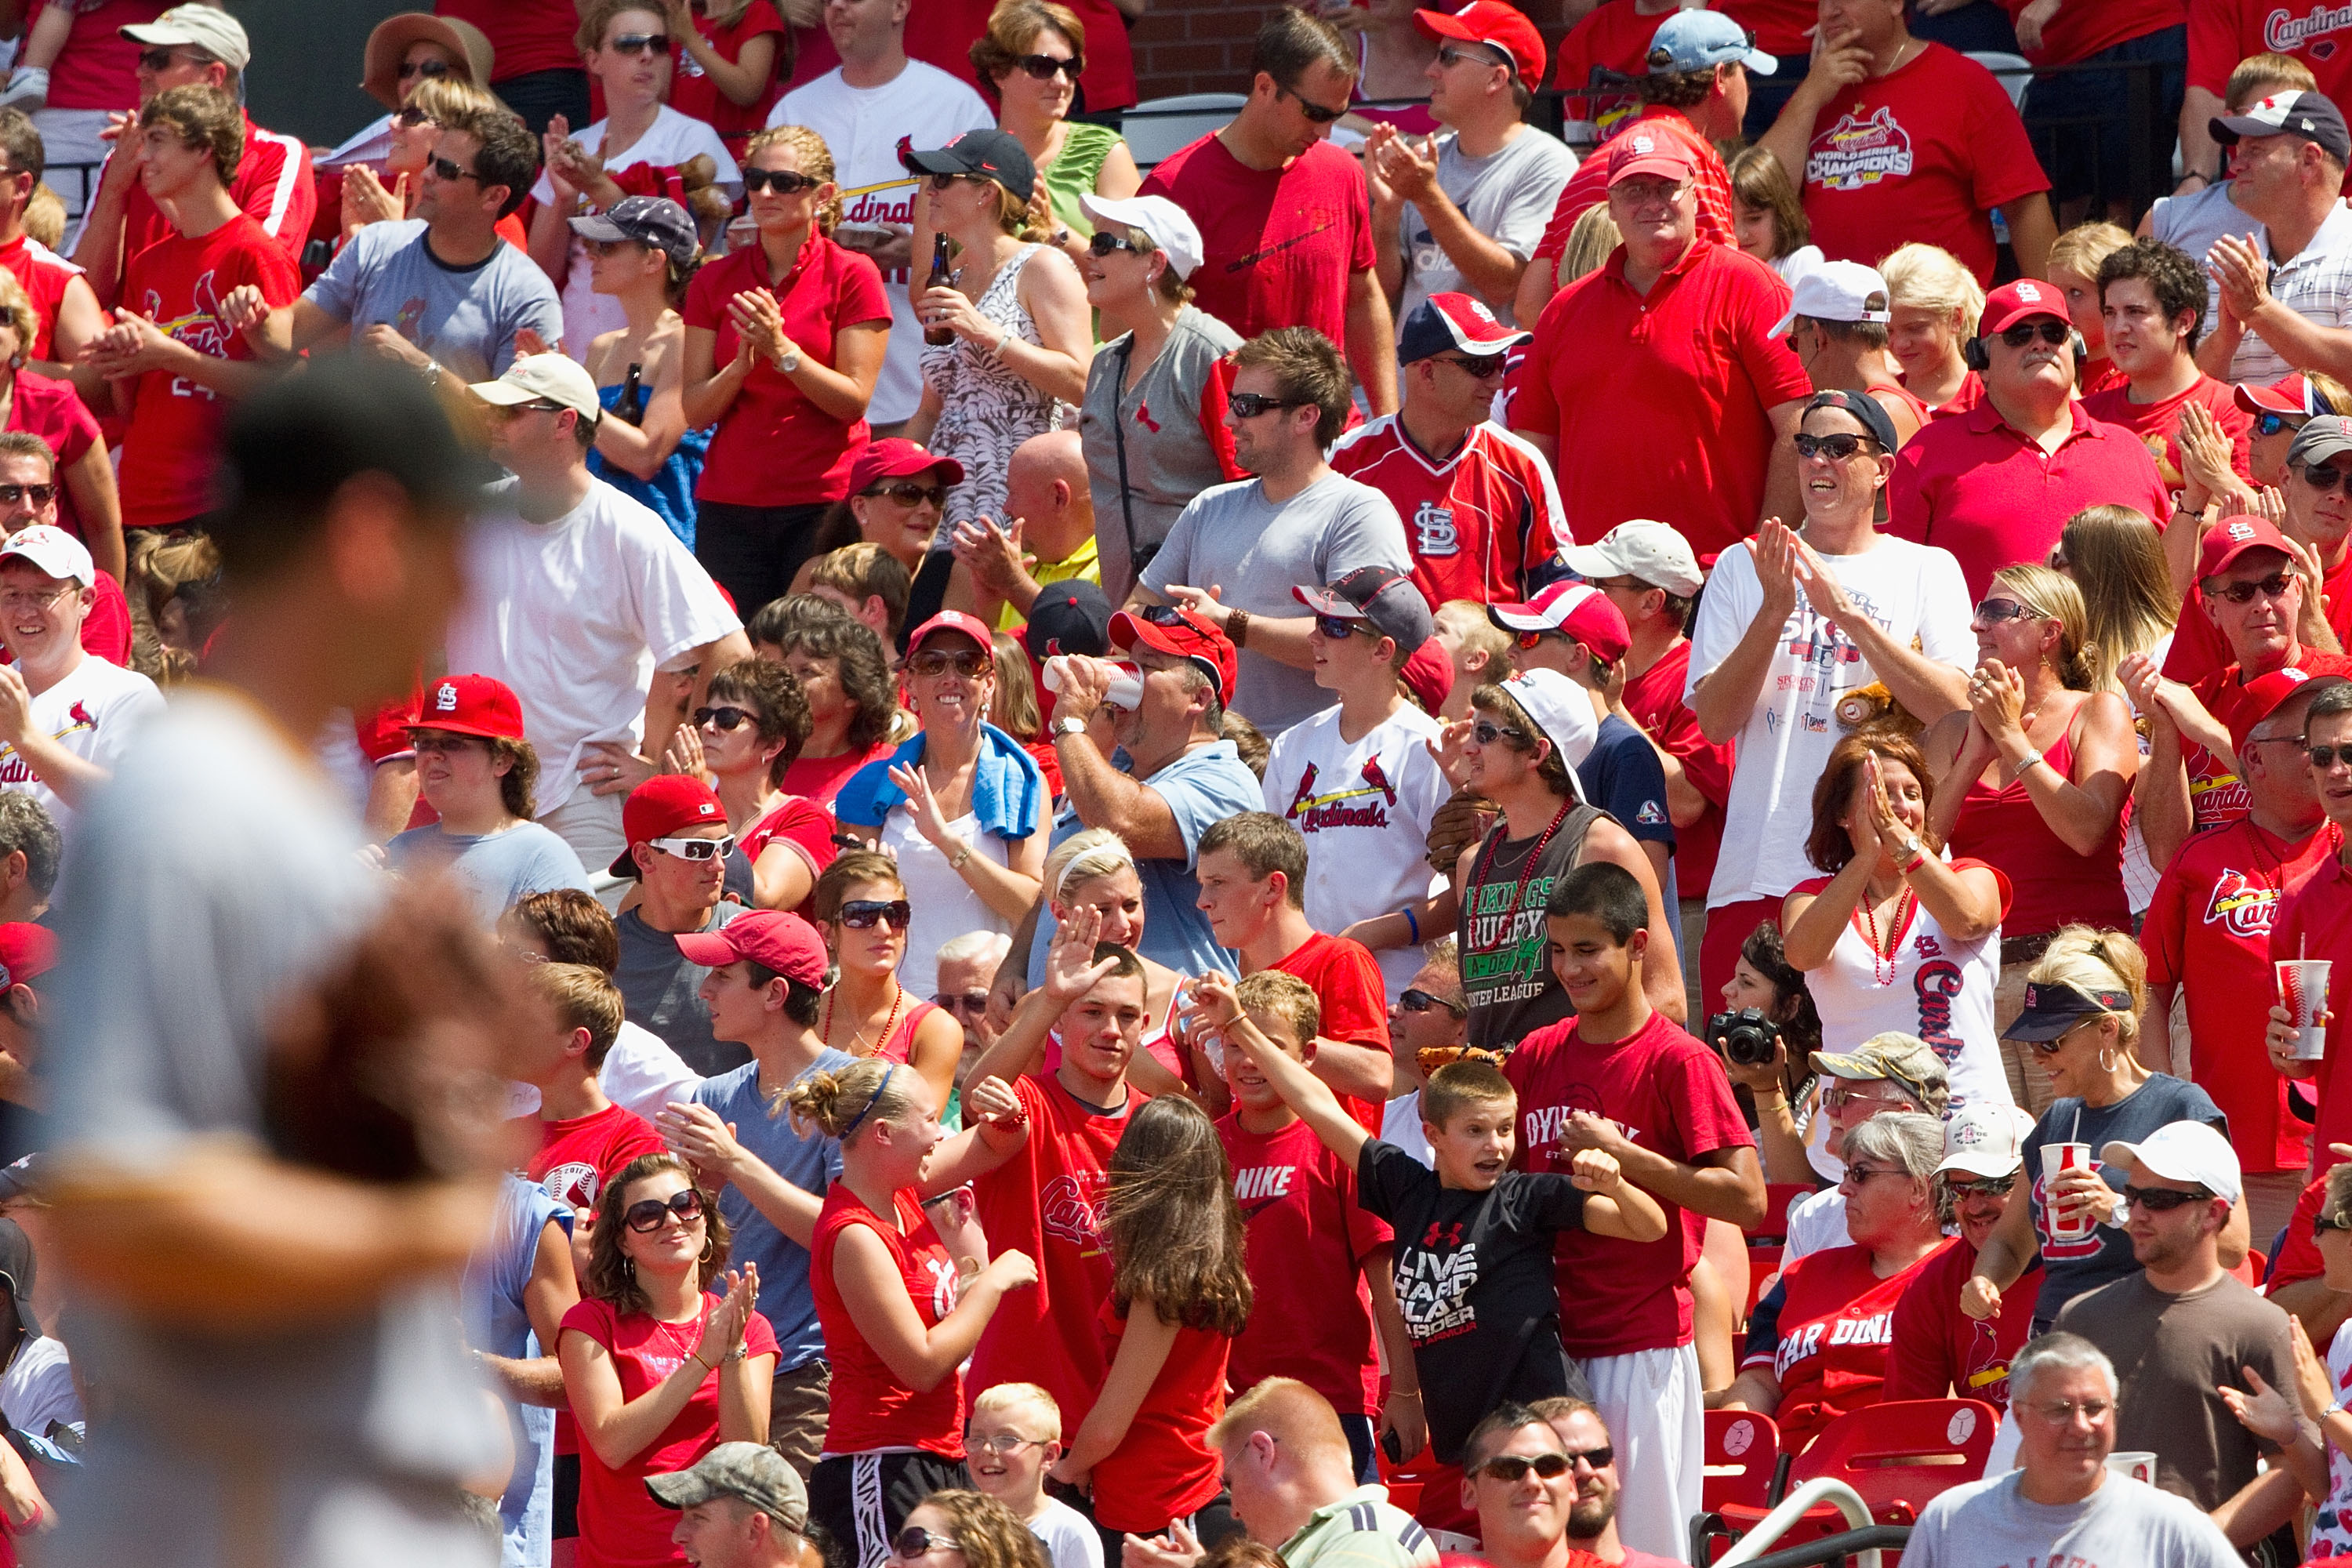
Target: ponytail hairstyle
{"type": "Point", "coordinates": [815, 159]}
{"type": "Point", "coordinates": [2054, 596]}
{"type": "Point", "coordinates": [612, 1274]}
{"type": "Point", "coordinates": [845, 1103]}
{"type": "Point", "coordinates": [1170, 1223]}
{"type": "Point", "coordinates": [2091, 960]}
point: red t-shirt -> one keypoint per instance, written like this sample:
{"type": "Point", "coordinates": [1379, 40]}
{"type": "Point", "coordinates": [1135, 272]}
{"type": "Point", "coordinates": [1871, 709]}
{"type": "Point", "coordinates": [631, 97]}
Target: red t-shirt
{"type": "Point", "coordinates": [801, 823]}
{"type": "Point", "coordinates": [179, 284]}
{"type": "Point", "coordinates": [621, 1526]}
{"type": "Point", "coordinates": [2198, 648]}
{"type": "Point", "coordinates": [100, 67]}
{"type": "Point", "coordinates": [1615, 37]}
{"type": "Point", "coordinates": [2157, 425]}
{"type": "Point", "coordinates": [1278, 245]}
{"type": "Point", "coordinates": [576, 1157]}
{"type": "Point", "coordinates": [1688, 375]}
{"type": "Point", "coordinates": [2224, 32]}
{"type": "Point", "coordinates": [1974, 485]}
{"type": "Point", "coordinates": [1654, 699]}
{"type": "Point", "coordinates": [1669, 1094]}
{"type": "Point", "coordinates": [1936, 1350]}
{"type": "Point", "coordinates": [773, 442]}
{"type": "Point", "coordinates": [1164, 1469]}
{"type": "Point", "coordinates": [1924, 152]}
{"type": "Point", "coordinates": [2314, 921]}
{"type": "Point", "coordinates": [2209, 928]}
{"type": "Point", "coordinates": [2216, 794]}
{"type": "Point", "coordinates": [692, 92]}
{"type": "Point", "coordinates": [273, 186]}
{"type": "Point", "coordinates": [55, 411]}
{"type": "Point", "coordinates": [2078, 32]}
{"type": "Point", "coordinates": [1046, 1201]}
{"type": "Point", "coordinates": [1588, 187]}
{"type": "Point", "coordinates": [2298, 1255]}
{"type": "Point", "coordinates": [1834, 1327]}
{"type": "Point", "coordinates": [1346, 979]}
{"type": "Point", "coordinates": [44, 274]}
{"type": "Point", "coordinates": [1306, 1243]}
{"type": "Point", "coordinates": [820, 778]}
{"type": "Point", "coordinates": [1782, 26]}
{"type": "Point", "coordinates": [869, 1408]}
{"type": "Point", "coordinates": [527, 35]}
{"type": "Point", "coordinates": [1475, 520]}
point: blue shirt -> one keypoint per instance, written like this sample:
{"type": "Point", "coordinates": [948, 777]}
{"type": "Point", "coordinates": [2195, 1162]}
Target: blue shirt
{"type": "Point", "coordinates": [496, 869]}
{"type": "Point", "coordinates": [811, 1164]}
{"type": "Point", "coordinates": [491, 1296]}
{"type": "Point", "coordinates": [671, 492]}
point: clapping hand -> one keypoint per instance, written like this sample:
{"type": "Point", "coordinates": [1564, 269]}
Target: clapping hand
{"type": "Point", "coordinates": [991, 555]}
{"type": "Point", "coordinates": [2266, 1412]}
{"type": "Point", "coordinates": [697, 1135]}
{"type": "Point", "coordinates": [1775, 552]}
{"type": "Point", "coordinates": [1997, 699]}
{"type": "Point", "coordinates": [722, 1331]}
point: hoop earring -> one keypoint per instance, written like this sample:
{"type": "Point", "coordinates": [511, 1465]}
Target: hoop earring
{"type": "Point", "coordinates": [705, 1255]}
{"type": "Point", "coordinates": [2108, 1058]}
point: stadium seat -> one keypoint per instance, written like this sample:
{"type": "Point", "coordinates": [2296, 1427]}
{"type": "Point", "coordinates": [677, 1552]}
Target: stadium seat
{"type": "Point", "coordinates": [1741, 1448]}
{"type": "Point", "coordinates": [1158, 127]}
{"type": "Point", "coordinates": [2014, 72]}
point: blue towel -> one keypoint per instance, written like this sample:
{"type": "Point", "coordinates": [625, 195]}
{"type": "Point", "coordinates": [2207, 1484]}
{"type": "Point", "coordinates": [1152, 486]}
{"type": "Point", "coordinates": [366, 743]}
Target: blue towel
{"type": "Point", "coordinates": [1008, 788]}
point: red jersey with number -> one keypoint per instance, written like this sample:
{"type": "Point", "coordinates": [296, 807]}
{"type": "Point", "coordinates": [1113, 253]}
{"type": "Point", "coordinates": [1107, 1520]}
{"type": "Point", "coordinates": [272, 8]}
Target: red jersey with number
{"type": "Point", "coordinates": [1938, 1350]}
{"type": "Point", "coordinates": [577, 1156]}
{"type": "Point", "coordinates": [1046, 1201]}
{"type": "Point", "coordinates": [179, 284]}
{"type": "Point", "coordinates": [1479, 521]}
{"type": "Point", "coordinates": [693, 92]}
{"type": "Point", "coordinates": [1163, 1468]}
{"type": "Point", "coordinates": [1834, 1330]}
{"type": "Point", "coordinates": [1588, 187]}
{"type": "Point", "coordinates": [2157, 425]}
{"type": "Point", "coordinates": [1654, 699]}
{"type": "Point", "coordinates": [1306, 1240]}
{"type": "Point", "coordinates": [45, 275]}
{"type": "Point", "coordinates": [2209, 930]}
{"type": "Point", "coordinates": [870, 1408]}
{"type": "Point", "coordinates": [1668, 1094]}
{"type": "Point", "coordinates": [1924, 152]}
{"type": "Point", "coordinates": [272, 185]}
{"type": "Point", "coordinates": [2314, 921]}
{"type": "Point", "coordinates": [1346, 979]}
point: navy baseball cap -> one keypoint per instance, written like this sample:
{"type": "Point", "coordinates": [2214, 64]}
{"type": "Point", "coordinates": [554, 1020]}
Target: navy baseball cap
{"type": "Point", "coordinates": [1456, 321]}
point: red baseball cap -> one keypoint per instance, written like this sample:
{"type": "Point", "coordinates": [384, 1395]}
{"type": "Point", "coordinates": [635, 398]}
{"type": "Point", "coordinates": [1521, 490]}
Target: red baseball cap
{"type": "Point", "coordinates": [660, 807]}
{"type": "Point", "coordinates": [1580, 609]}
{"type": "Point", "coordinates": [2020, 301]}
{"type": "Point", "coordinates": [1180, 633]}
{"type": "Point", "coordinates": [26, 952]}
{"type": "Point", "coordinates": [1429, 675]}
{"type": "Point", "coordinates": [2290, 394]}
{"type": "Point", "coordinates": [772, 939]}
{"type": "Point", "coordinates": [2256, 700]}
{"type": "Point", "coordinates": [1640, 152]}
{"type": "Point", "coordinates": [972, 626]}
{"type": "Point", "coordinates": [896, 457]}
{"type": "Point", "coordinates": [469, 705]}
{"type": "Point", "coordinates": [1495, 24]}
{"type": "Point", "coordinates": [2232, 537]}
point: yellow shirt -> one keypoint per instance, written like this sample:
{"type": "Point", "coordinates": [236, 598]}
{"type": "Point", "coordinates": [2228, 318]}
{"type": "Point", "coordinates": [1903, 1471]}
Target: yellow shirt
{"type": "Point", "coordinates": [1081, 562]}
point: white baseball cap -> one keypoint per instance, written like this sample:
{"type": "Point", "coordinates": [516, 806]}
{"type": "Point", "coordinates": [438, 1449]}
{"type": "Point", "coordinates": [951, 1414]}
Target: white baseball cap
{"type": "Point", "coordinates": [1562, 711]}
{"type": "Point", "coordinates": [206, 27]}
{"type": "Point", "coordinates": [51, 549]}
{"type": "Point", "coordinates": [1839, 291]}
{"type": "Point", "coordinates": [1985, 1141]}
{"type": "Point", "coordinates": [1640, 548]}
{"type": "Point", "coordinates": [2182, 1151]}
{"type": "Point", "coordinates": [555, 377]}
{"type": "Point", "coordinates": [1171, 228]}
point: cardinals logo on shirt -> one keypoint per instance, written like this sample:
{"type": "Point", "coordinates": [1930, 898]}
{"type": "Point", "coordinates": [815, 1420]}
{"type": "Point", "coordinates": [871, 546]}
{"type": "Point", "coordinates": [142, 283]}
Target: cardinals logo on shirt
{"type": "Point", "coordinates": [409, 317]}
{"type": "Point", "coordinates": [200, 329]}
{"type": "Point", "coordinates": [16, 770]}
{"type": "Point", "coordinates": [2241, 905]}
{"type": "Point", "coordinates": [1433, 534]}
{"type": "Point", "coordinates": [1935, 984]}
{"type": "Point", "coordinates": [2285, 33]}
{"type": "Point", "coordinates": [1313, 812]}
{"type": "Point", "coordinates": [1067, 1208]}
{"type": "Point", "coordinates": [1855, 154]}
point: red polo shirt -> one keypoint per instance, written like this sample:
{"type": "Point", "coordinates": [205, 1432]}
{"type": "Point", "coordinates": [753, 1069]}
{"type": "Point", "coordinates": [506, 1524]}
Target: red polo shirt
{"type": "Point", "coordinates": [2314, 921]}
{"type": "Point", "coordinates": [1660, 404]}
{"type": "Point", "coordinates": [2078, 32]}
{"type": "Point", "coordinates": [1976, 486]}
{"type": "Point", "coordinates": [2198, 648]}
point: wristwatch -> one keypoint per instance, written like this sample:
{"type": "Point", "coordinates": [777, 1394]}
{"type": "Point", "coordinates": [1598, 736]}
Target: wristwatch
{"type": "Point", "coordinates": [1061, 727]}
{"type": "Point", "coordinates": [1907, 850]}
{"type": "Point", "coordinates": [789, 363]}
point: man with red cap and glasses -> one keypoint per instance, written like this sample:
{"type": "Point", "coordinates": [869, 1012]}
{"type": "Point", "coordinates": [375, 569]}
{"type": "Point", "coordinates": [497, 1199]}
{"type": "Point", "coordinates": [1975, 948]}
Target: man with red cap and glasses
{"type": "Point", "coordinates": [2314, 921]}
{"type": "Point", "coordinates": [1996, 484]}
{"type": "Point", "coordinates": [66, 717]}
{"type": "Point", "coordinates": [677, 850]}
{"type": "Point", "coordinates": [1480, 510]}
{"type": "Point", "coordinates": [1463, 210]}
{"type": "Point", "coordinates": [1667, 349]}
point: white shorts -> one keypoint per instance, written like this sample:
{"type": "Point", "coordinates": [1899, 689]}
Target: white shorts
{"type": "Point", "coordinates": [1653, 1407]}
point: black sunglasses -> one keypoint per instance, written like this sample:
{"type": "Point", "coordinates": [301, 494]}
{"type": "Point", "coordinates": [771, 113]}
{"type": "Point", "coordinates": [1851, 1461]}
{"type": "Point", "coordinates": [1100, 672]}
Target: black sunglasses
{"type": "Point", "coordinates": [1477, 367]}
{"type": "Point", "coordinates": [906, 492]}
{"type": "Point", "coordinates": [2270, 423]}
{"type": "Point", "coordinates": [1314, 112]}
{"type": "Point", "coordinates": [1837, 449]}
{"type": "Point", "coordinates": [1984, 1188]}
{"type": "Point", "coordinates": [865, 914]}
{"type": "Point", "coordinates": [1041, 68]}
{"type": "Point", "coordinates": [42, 494]}
{"type": "Point", "coordinates": [2049, 332]}
{"type": "Point", "coordinates": [423, 67]}
{"type": "Point", "coordinates": [1249, 405]}
{"type": "Point", "coordinates": [783, 182]}
{"type": "Point", "coordinates": [2275, 586]}
{"type": "Point", "coordinates": [1104, 244]}
{"type": "Point", "coordinates": [446, 169]}
{"type": "Point", "coordinates": [1992, 612]}
{"type": "Point", "coordinates": [2324, 477]}
{"type": "Point", "coordinates": [2320, 1224]}
{"type": "Point", "coordinates": [647, 1215]}
{"type": "Point", "coordinates": [640, 44]}
{"type": "Point", "coordinates": [915, 1541]}
{"type": "Point", "coordinates": [947, 182]}
{"type": "Point", "coordinates": [2162, 1199]}
{"type": "Point", "coordinates": [1514, 1466]}
{"type": "Point", "coordinates": [723, 718]}
{"type": "Point", "coordinates": [161, 59]}
{"type": "Point", "coordinates": [2324, 756]}
{"type": "Point", "coordinates": [1338, 630]}
{"type": "Point", "coordinates": [1415, 1000]}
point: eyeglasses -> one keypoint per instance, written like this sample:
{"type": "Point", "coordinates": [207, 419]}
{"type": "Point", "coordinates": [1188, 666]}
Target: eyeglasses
{"type": "Point", "coordinates": [446, 169]}
{"type": "Point", "coordinates": [948, 182]}
{"type": "Point", "coordinates": [1839, 1099]}
{"type": "Point", "coordinates": [2162, 1199]}
{"type": "Point", "coordinates": [1249, 405]}
{"type": "Point", "coordinates": [906, 492]}
{"type": "Point", "coordinates": [1486, 731]}
{"type": "Point", "coordinates": [695, 848]}
{"type": "Point", "coordinates": [1514, 1466]}
{"type": "Point", "coordinates": [994, 1445]}
{"type": "Point", "coordinates": [1857, 1175]}
{"type": "Point", "coordinates": [2049, 332]}
{"type": "Point", "coordinates": [1315, 112]}
{"type": "Point", "coordinates": [783, 182]}
{"type": "Point", "coordinates": [2320, 1224]}
{"type": "Point", "coordinates": [1103, 244]}
{"type": "Point", "coordinates": [444, 745]}
{"type": "Point", "coordinates": [647, 1215]}
{"type": "Point", "coordinates": [1985, 1188]}
{"type": "Point", "coordinates": [865, 914]}
{"type": "Point", "coordinates": [1334, 629]}
{"type": "Point", "coordinates": [410, 117]}
{"type": "Point", "coordinates": [723, 718]}
{"type": "Point", "coordinates": [2053, 1046]}
{"type": "Point", "coordinates": [2327, 756]}
{"type": "Point", "coordinates": [915, 1542]}
{"type": "Point", "coordinates": [2273, 586]}
{"type": "Point", "coordinates": [2326, 477]}
{"type": "Point", "coordinates": [42, 494]}
{"type": "Point", "coordinates": [1837, 449]}
{"type": "Point", "coordinates": [971, 1002]}
{"type": "Point", "coordinates": [1992, 612]}
{"type": "Point", "coordinates": [1527, 642]}
{"type": "Point", "coordinates": [1477, 367]}
{"type": "Point", "coordinates": [1415, 1000]}
{"type": "Point", "coordinates": [1041, 68]}
{"type": "Point", "coordinates": [2062, 1412]}
{"type": "Point", "coordinates": [2268, 423]}
{"type": "Point", "coordinates": [423, 68]}
{"type": "Point", "coordinates": [966, 662]}
{"type": "Point", "coordinates": [161, 59]}
{"type": "Point", "coordinates": [634, 44]}
{"type": "Point", "coordinates": [15, 599]}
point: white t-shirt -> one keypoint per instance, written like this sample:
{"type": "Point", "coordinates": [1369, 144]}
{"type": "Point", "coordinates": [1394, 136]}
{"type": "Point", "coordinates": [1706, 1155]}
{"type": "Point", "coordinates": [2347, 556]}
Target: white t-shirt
{"type": "Point", "coordinates": [575, 615]}
{"type": "Point", "coordinates": [38, 1388]}
{"type": "Point", "coordinates": [1816, 1222]}
{"type": "Point", "coordinates": [1400, 1125]}
{"type": "Point", "coordinates": [944, 904]}
{"type": "Point", "coordinates": [641, 1074]}
{"type": "Point", "coordinates": [669, 140]}
{"type": "Point", "coordinates": [1910, 590]}
{"type": "Point", "coordinates": [1070, 1540]}
{"type": "Point", "coordinates": [1365, 807]}
{"type": "Point", "coordinates": [862, 127]}
{"type": "Point", "coordinates": [93, 712]}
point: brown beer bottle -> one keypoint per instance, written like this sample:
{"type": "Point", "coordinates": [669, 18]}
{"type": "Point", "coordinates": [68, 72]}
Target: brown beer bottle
{"type": "Point", "coordinates": [941, 277]}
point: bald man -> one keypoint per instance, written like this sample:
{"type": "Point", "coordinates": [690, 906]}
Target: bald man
{"type": "Point", "coordinates": [1049, 537]}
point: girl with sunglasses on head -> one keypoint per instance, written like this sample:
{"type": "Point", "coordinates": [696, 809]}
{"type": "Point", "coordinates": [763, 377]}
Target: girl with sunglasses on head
{"type": "Point", "coordinates": [643, 253]}
{"type": "Point", "coordinates": [744, 738]}
{"type": "Point", "coordinates": [1030, 58]}
{"type": "Point", "coordinates": [659, 1367]}
{"type": "Point", "coordinates": [900, 1311]}
{"type": "Point", "coordinates": [965, 1530]}
{"type": "Point", "coordinates": [861, 909]}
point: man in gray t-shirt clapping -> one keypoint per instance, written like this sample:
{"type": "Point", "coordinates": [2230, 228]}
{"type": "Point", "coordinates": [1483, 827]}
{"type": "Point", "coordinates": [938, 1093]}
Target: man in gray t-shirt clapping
{"type": "Point", "coordinates": [1235, 551]}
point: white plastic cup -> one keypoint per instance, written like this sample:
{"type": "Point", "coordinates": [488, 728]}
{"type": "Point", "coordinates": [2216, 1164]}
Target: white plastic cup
{"type": "Point", "coordinates": [2139, 1464]}
{"type": "Point", "coordinates": [2302, 992]}
{"type": "Point", "coordinates": [2064, 1225]}
{"type": "Point", "coordinates": [1126, 685]}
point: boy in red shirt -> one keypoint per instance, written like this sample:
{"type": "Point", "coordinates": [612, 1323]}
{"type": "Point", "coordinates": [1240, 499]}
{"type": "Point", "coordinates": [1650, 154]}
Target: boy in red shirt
{"type": "Point", "coordinates": [585, 1139]}
{"type": "Point", "coordinates": [1308, 1242]}
{"type": "Point", "coordinates": [1622, 1078]}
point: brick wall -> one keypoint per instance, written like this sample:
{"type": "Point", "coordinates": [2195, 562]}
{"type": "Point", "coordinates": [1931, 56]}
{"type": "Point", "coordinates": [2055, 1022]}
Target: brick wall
{"type": "Point", "coordinates": [1203, 46]}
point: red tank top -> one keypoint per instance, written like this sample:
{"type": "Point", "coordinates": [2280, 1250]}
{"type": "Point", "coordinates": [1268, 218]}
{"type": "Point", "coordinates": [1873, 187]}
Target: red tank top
{"type": "Point", "coordinates": [1896, 390]}
{"type": "Point", "coordinates": [901, 1042]}
{"type": "Point", "coordinates": [870, 1409]}
{"type": "Point", "coordinates": [1164, 1469]}
{"type": "Point", "coordinates": [2055, 885]}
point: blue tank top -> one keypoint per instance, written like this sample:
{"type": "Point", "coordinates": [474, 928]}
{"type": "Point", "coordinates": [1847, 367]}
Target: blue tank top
{"type": "Point", "coordinates": [669, 492]}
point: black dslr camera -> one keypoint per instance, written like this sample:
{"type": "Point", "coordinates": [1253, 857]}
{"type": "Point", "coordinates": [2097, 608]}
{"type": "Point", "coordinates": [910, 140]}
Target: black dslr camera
{"type": "Point", "coordinates": [1749, 1039]}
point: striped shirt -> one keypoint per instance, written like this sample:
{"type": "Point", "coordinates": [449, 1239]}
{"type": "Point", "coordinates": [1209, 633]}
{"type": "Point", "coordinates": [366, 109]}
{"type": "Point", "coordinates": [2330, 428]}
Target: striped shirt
{"type": "Point", "coordinates": [1362, 1530]}
{"type": "Point", "coordinates": [2315, 283]}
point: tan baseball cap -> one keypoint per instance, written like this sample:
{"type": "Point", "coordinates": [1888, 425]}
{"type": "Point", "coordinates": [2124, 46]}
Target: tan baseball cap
{"type": "Point", "coordinates": [552, 377]}
{"type": "Point", "coordinates": [206, 27]}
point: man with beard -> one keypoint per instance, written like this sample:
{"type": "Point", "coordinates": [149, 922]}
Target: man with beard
{"type": "Point", "coordinates": [1592, 1463]}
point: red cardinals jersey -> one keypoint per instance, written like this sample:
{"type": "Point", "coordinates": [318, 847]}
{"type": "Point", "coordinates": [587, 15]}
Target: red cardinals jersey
{"type": "Point", "coordinates": [1939, 1350]}
{"type": "Point", "coordinates": [273, 186]}
{"type": "Point", "coordinates": [1829, 1346]}
{"type": "Point", "coordinates": [1484, 523]}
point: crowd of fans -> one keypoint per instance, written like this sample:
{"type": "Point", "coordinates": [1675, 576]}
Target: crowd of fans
{"type": "Point", "coordinates": [665, 726]}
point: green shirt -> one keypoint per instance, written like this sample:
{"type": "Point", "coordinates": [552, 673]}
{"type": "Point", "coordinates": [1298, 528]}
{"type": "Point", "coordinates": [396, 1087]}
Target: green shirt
{"type": "Point", "coordinates": [1362, 1530]}
{"type": "Point", "coordinates": [1072, 173]}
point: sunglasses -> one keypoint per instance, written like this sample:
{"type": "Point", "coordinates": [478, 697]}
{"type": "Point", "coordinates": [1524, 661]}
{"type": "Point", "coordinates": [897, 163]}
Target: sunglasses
{"type": "Point", "coordinates": [865, 914]}
{"type": "Point", "coordinates": [1486, 731]}
{"type": "Point", "coordinates": [634, 44]}
{"type": "Point", "coordinates": [446, 169]}
{"type": "Point", "coordinates": [966, 662]}
{"type": "Point", "coordinates": [971, 1002]}
{"type": "Point", "coordinates": [1334, 629]}
{"type": "Point", "coordinates": [1416, 1000]}
{"type": "Point", "coordinates": [1315, 112]}
{"type": "Point", "coordinates": [1041, 68]}
{"type": "Point", "coordinates": [1839, 1099]}
{"type": "Point", "coordinates": [2273, 586]}
{"type": "Point", "coordinates": [695, 848]}
{"type": "Point", "coordinates": [1249, 405]}
{"type": "Point", "coordinates": [445, 745]}
{"type": "Point", "coordinates": [1514, 1466]}
{"type": "Point", "coordinates": [915, 1542]}
{"type": "Point", "coordinates": [1992, 612]}
{"type": "Point", "coordinates": [410, 117]}
{"type": "Point", "coordinates": [1477, 367]}
{"type": "Point", "coordinates": [723, 718]}
{"type": "Point", "coordinates": [2161, 1200]}
{"type": "Point", "coordinates": [2320, 1224]}
{"type": "Point", "coordinates": [645, 1215]}
{"type": "Point", "coordinates": [1450, 57]}
{"type": "Point", "coordinates": [1837, 449]}
{"type": "Point", "coordinates": [948, 182]}
{"type": "Point", "coordinates": [434, 69]}
{"type": "Point", "coordinates": [2326, 477]}
{"type": "Point", "coordinates": [1104, 244]}
{"type": "Point", "coordinates": [2270, 424]}
{"type": "Point", "coordinates": [42, 494]}
{"type": "Point", "coordinates": [2327, 756]}
{"type": "Point", "coordinates": [161, 59]}
{"type": "Point", "coordinates": [783, 182]}
{"type": "Point", "coordinates": [1988, 1187]}
{"type": "Point", "coordinates": [603, 247]}
{"type": "Point", "coordinates": [906, 492]}
{"type": "Point", "coordinates": [1528, 641]}
{"type": "Point", "coordinates": [2051, 333]}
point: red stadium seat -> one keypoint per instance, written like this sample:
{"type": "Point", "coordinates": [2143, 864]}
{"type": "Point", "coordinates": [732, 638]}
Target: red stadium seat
{"type": "Point", "coordinates": [1763, 1266]}
{"type": "Point", "coordinates": [1778, 1196]}
{"type": "Point", "coordinates": [1741, 1448]}
{"type": "Point", "coordinates": [1897, 1455]}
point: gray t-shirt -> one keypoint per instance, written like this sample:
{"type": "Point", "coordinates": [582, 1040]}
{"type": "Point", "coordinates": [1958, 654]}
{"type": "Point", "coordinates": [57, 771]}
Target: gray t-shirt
{"type": "Point", "coordinates": [1252, 549]}
{"type": "Point", "coordinates": [2195, 221]}
{"type": "Point", "coordinates": [1170, 426]}
{"type": "Point", "coordinates": [2125, 1524]}
{"type": "Point", "coordinates": [1507, 195]}
{"type": "Point", "coordinates": [495, 869]}
{"type": "Point", "coordinates": [464, 317]}
{"type": "Point", "coordinates": [658, 987]}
